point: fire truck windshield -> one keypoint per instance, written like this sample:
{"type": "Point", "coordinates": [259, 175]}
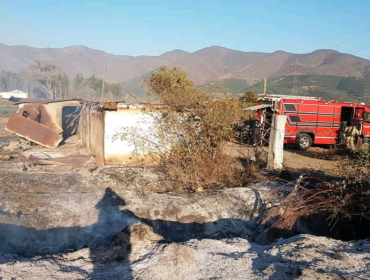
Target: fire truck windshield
{"type": "Point", "coordinates": [366, 116]}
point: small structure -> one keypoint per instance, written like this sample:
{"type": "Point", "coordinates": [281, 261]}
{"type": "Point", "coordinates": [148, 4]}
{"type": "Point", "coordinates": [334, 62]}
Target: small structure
{"type": "Point", "coordinates": [15, 93]}
{"type": "Point", "coordinates": [64, 112]}
{"type": "Point", "coordinates": [100, 128]}
{"type": "Point", "coordinates": [45, 122]}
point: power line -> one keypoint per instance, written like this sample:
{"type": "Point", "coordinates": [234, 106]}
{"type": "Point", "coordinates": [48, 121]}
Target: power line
{"type": "Point", "coordinates": [366, 47]}
{"type": "Point", "coordinates": [355, 49]}
{"type": "Point", "coordinates": [103, 84]}
{"type": "Point", "coordinates": [345, 41]}
{"type": "Point", "coordinates": [97, 76]}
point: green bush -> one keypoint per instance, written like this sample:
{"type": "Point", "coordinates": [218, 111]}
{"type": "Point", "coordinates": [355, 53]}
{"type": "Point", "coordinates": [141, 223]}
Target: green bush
{"type": "Point", "coordinates": [7, 110]}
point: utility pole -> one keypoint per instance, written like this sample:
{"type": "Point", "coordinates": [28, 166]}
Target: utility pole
{"type": "Point", "coordinates": [264, 85]}
{"type": "Point", "coordinates": [60, 90]}
{"type": "Point", "coordinates": [103, 85]}
{"type": "Point", "coordinates": [295, 81]}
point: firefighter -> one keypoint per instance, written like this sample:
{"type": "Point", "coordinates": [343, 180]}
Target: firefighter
{"type": "Point", "coordinates": [351, 133]}
{"type": "Point", "coordinates": [256, 132]}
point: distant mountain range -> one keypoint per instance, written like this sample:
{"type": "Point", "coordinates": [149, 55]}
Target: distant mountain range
{"type": "Point", "coordinates": [203, 66]}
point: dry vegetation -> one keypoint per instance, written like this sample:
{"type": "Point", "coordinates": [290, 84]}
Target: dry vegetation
{"type": "Point", "coordinates": [191, 129]}
{"type": "Point", "coordinates": [347, 198]}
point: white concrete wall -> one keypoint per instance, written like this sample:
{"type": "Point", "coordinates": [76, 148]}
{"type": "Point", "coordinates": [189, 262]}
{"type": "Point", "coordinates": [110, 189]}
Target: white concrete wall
{"type": "Point", "coordinates": [118, 151]}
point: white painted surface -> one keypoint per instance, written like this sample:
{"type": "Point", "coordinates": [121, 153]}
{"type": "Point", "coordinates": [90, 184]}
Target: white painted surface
{"type": "Point", "coordinates": [14, 93]}
{"type": "Point", "coordinates": [276, 144]}
{"type": "Point", "coordinates": [117, 150]}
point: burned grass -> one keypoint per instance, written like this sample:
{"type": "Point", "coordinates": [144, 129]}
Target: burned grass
{"type": "Point", "coordinates": [334, 203]}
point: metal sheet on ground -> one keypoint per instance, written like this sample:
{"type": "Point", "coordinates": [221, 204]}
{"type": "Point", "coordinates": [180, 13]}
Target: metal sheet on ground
{"type": "Point", "coordinates": [33, 131]}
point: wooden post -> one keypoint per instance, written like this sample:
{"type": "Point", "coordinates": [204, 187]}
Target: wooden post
{"type": "Point", "coordinates": [276, 145]}
{"type": "Point", "coordinates": [103, 83]}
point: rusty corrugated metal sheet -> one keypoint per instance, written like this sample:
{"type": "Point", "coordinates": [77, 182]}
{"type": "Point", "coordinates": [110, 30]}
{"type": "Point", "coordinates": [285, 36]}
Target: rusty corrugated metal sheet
{"type": "Point", "coordinates": [74, 160]}
{"type": "Point", "coordinates": [40, 101]}
{"type": "Point", "coordinates": [30, 112]}
{"type": "Point", "coordinates": [33, 131]}
{"type": "Point", "coordinates": [110, 106]}
{"type": "Point", "coordinates": [43, 159]}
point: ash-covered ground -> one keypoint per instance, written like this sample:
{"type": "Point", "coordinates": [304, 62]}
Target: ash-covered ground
{"type": "Point", "coordinates": [89, 222]}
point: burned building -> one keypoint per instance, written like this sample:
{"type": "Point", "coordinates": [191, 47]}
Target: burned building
{"type": "Point", "coordinates": [100, 126]}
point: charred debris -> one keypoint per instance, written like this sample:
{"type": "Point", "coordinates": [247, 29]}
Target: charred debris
{"type": "Point", "coordinates": [49, 123]}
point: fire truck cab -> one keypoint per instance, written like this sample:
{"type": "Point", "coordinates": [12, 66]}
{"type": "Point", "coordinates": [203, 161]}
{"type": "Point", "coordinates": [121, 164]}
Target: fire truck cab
{"type": "Point", "coordinates": [311, 120]}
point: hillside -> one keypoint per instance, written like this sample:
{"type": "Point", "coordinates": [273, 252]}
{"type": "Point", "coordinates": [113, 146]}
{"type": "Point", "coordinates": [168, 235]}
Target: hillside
{"type": "Point", "coordinates": [217, 63]}
{"type": "Point", "coordinates": [327, 87]}
{"type": "Point", "coordinates": [136, 86]}
{"type": "Point", "coordinates": [80, 59]}
{"type": "Point", "coordinates": [203, 66]}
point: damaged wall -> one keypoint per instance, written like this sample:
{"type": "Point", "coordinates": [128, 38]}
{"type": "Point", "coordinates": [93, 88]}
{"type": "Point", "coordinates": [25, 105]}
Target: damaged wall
{"type": "Point", "coordinates": [100, 128]}
{"type": "Point", "coordinates": [91, 132]}
{"type": "Point", "coordinates": [116, 150]}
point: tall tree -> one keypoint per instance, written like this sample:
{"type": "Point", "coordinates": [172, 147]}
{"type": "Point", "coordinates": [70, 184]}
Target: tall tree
{"type": "Point", "coordinates": [45, 73]}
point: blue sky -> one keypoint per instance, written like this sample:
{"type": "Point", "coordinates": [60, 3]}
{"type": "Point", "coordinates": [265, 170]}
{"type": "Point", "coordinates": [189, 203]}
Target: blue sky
{"type": "Point", "coordinates": [153, 27]}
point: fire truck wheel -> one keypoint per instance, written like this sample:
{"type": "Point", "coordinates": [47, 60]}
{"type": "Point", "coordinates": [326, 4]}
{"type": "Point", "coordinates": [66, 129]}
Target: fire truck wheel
{"type": "Point", "coordinates": [304, 141]}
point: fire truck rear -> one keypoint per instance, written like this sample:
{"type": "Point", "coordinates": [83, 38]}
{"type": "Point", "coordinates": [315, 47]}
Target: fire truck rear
{"type": "Point", "coordinates": [311, 120]}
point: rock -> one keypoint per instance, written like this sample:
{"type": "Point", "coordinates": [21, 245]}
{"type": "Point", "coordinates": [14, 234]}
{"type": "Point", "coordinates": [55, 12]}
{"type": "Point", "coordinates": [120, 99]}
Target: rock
{"type": "Point", "coordinates": [91, 169]}
{"type": "Point", "coordinates": [200, 189]}
{"type": "Point", "coordinates": [339, 256]}
{"type": "Point", "coordinates": [12, 146]}
{"type": "Point", "coordinates": [130, 244]}
{"type": "Point", "coordinates": [366, 246]}
{"type": "Point", "coordinates": [143, 239]}
{"type": "Point", "coordinates": [23, 167]}
{"type": "Point", "coordinates": [274, 251]}
{"type": "Point", "coordinates": [24, 141]}
{"type": "Point", "coordinates": [7, 157]}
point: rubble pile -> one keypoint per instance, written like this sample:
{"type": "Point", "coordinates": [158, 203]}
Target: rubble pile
{"type": "Point", "coordinates": [34, 123]}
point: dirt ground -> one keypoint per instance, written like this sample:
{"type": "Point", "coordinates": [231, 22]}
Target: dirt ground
{"type": "Point", "coordinates": [315, 158]}
{"type": "Point", "coordinates": [3, 132]}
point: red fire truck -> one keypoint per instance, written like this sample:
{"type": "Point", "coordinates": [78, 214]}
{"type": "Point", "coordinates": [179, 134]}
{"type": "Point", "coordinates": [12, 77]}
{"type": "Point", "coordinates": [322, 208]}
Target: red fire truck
{"type": "Point", "coordinates": [311, 120]}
